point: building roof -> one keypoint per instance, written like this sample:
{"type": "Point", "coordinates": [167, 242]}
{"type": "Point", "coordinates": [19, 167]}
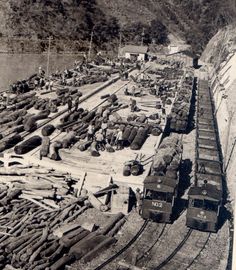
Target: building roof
{"type": "Point", "coordinates": [135, 49]}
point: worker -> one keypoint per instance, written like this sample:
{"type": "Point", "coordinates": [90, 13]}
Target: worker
{"type": "Point", "coordinates": [142, 76]}
{"type": "Point", "coordinates": [138, 196]}
{"type": "Point", "coordinates": [100, 141]}
{"type": "Point", "coordinates": [47, 85]}
{"type": "Point", "coordinates": [106, 113]}
{"type": "Point", "coordinates": [90, 133]}
{"type": "Point", "coordinates": [76, 103]}
{"type": "Point", "coordinates": [126, 90]}
{"type": "Point", "coordinates": [119, 140]}
{"type": "Point", "coordinates": [69, 104]}
{"type": "Point", "coordinates": [133, 106]}
{"type": "Point", "coordinates": [133, 91]}
{"type": "Point", "coordinates": [41, 72]}
{"type": "Point", "coordinates": [51, 84]}
{"type": "Point", "coordinates": [104, 126]}
{"type": "Point", "coordinates": [109, 136]}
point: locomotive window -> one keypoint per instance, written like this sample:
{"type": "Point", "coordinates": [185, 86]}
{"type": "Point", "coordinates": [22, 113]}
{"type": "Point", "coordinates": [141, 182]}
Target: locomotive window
{"type": "Point", "coordinates": [210, 205]}
{"type": "Point", "coordinates": [198, 203]}
{"type": "Point", "coordinates": [205, 205]}
{"type": "Point", "coordinates": [161, 196]}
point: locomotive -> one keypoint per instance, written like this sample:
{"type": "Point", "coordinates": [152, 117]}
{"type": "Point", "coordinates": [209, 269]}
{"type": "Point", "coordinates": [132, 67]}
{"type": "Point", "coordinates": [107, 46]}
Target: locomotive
{"type": "Point", "coordinates": [161, 185]}
{"type": "Point", "coordinates": [205, 196]}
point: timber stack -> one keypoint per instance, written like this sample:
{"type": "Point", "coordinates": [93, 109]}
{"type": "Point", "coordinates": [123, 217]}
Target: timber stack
{"type": "Point", "coordinates": [179, 116]}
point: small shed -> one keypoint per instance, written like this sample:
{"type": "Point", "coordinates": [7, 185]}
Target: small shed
{"type": "Point", "coordinates": [133, 52]}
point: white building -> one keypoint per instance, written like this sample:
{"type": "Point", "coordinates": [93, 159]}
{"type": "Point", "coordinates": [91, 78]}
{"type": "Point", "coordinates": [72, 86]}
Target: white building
{"type": "Point", "coordinates": [133, 52]}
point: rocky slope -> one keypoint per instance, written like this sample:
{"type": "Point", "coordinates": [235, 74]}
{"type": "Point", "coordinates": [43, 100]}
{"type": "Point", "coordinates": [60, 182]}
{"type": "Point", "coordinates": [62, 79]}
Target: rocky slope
{"type": "Point", "coordinates": [220, 57]}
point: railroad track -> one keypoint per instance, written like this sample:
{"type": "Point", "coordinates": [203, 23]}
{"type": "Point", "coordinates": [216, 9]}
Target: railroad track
{"type": "Point", "coordinates": [175, 251]}
{"type": "Point", "coordinates": [121, 251]}
{"type": "Point", "coordinates": [146, 253]}
{"type": "Point", "coordinates": [175, 262]}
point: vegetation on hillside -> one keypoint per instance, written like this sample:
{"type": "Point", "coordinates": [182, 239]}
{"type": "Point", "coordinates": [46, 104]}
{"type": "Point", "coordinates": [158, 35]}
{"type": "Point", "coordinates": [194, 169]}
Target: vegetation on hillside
{"type": "Point", "coordinates": [71, 22]}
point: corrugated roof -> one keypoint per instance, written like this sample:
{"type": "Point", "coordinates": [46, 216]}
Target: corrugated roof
{"type": "Point", "coordinates": [135, 49]}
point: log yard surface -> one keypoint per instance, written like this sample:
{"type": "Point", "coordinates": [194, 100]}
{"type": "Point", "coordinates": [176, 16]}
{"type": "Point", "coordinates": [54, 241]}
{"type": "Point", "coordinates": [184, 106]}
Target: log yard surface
{"type": "Point", "coordinates": [112, 165]}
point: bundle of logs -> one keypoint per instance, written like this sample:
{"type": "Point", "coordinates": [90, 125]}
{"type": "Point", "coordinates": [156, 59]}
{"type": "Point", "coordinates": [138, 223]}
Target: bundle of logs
{"type": "Point", "coordinates": [45, 187]}
{"type": "Point", "coordinates": [168, 156]}
{"type": "Point", "coordinates": [33, 237]}
{"type": "Point", "coordinates": [179, 117]}
{"type": "Point", "coordinates": [88, 76]}
{"type": "Point", "coordinates": [15, 118]}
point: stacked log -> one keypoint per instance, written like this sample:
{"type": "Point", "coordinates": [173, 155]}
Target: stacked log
{"type": "Point", "coordinates": [132, 135]}
{"type": "Point", "coordinates": [93, 150]}
{"type": "Point", "coordinates": [168, 157]}
{"type": "Point", "coordinates": [139, 139]}
{"type": "Point", "coordinates": [46, 238]}
{"type": "Point", "coordinates": [54, 150]}
{"type": "Point", "coordinates": [10, 142]}
{"type": "Point", "coordinates": [44, 151]}
{"type": "Point", "coordinates": [48, 130]}
{"type": "Point", "coordinates": [31, 122]}
{"type": "Point", "coordinates": [69, 139]}
{"type": "Point", "coordinates": [28, 145]}
{"type": "Point", "coordinates": [179, 117]}
{"type": "Point", "coordinates": [126, 134]}
{"type": "Point", "coordinates": [84, 145]}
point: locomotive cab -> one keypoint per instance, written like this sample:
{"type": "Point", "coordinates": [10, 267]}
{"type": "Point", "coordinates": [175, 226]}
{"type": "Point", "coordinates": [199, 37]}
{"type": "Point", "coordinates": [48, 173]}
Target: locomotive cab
{"type": "Point", "coordinates": [159, 198]}
{"type": "Point", "coordinates": [204, 208]}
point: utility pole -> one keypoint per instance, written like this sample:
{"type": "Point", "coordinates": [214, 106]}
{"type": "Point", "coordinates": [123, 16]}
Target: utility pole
{"type": "Point", "coordinates": [142, 37]}
{"type": "Point", "coordinates": [90, 43]}
{"type": "Point", "coordinates": [119, 48]}
{"type": "Point", "coordinates": [49, 47]}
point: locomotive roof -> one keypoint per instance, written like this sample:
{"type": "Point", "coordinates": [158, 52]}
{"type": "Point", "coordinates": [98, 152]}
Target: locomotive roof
{"type": "Point", "coordinates": [160, 183]}
{"type": "Point", "coordinates": [211, 179]}
{"type": "Point", "coordinates": [207, 191]}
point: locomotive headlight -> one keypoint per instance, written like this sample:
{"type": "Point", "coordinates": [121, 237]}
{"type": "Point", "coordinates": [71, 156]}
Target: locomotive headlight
{"type": "Point", "coordinates": [201, 215]}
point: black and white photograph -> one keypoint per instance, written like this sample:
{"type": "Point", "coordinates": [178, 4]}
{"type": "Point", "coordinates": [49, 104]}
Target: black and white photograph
{"type": "Point", "coordinates": [117, 134]}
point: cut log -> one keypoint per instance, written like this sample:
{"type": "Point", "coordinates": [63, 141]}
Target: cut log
{"type": "Point", "coordinates": [10, 142]}
{"type": "Point", "coordinates": [54, 150]}
{"type": "Point", "coordinates": [48, 130]}
{"type": "Point", "coordinates": [111, 223]}
{"type": "Point", "coordinates": [139, 139]}
{"type": "Point", "coordinates": [44, 151]}
{"type": "Point", "coordinates": [28, 145]}
{"type": "Point", "coordinates": [98, 249]}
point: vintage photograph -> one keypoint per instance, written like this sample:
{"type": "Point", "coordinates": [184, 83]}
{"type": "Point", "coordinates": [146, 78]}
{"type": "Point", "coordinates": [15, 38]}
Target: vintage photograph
{"type": "Point", "coordinates": [117, 134]}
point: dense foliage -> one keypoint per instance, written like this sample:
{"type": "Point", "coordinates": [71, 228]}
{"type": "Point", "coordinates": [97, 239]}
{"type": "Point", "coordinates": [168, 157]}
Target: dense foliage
{"type": "Point", "coordinates": [73, 21]}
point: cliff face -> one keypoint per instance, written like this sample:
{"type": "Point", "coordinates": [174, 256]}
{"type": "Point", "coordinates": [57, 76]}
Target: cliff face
{"type": "Point", "coordinates": [221, 58]}
{"type": "Point", "coordinates": [194, 21]}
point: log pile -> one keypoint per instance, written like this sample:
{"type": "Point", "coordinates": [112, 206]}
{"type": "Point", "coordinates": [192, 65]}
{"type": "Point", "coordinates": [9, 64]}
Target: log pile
{"type": "Point", "coordinates": [36, 235]}
{"type": "Point", "coordinates": [179, 116]}
{"type": "Point", "coordinates": [168, 156]}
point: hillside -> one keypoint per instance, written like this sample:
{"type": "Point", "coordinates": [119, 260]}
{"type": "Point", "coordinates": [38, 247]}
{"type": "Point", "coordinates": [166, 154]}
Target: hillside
{"type": "Point", "coordinates": [70, 22]}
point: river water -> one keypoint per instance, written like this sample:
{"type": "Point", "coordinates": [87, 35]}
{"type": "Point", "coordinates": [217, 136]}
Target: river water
{"type": "Point", "coordinates": [15, 67]}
